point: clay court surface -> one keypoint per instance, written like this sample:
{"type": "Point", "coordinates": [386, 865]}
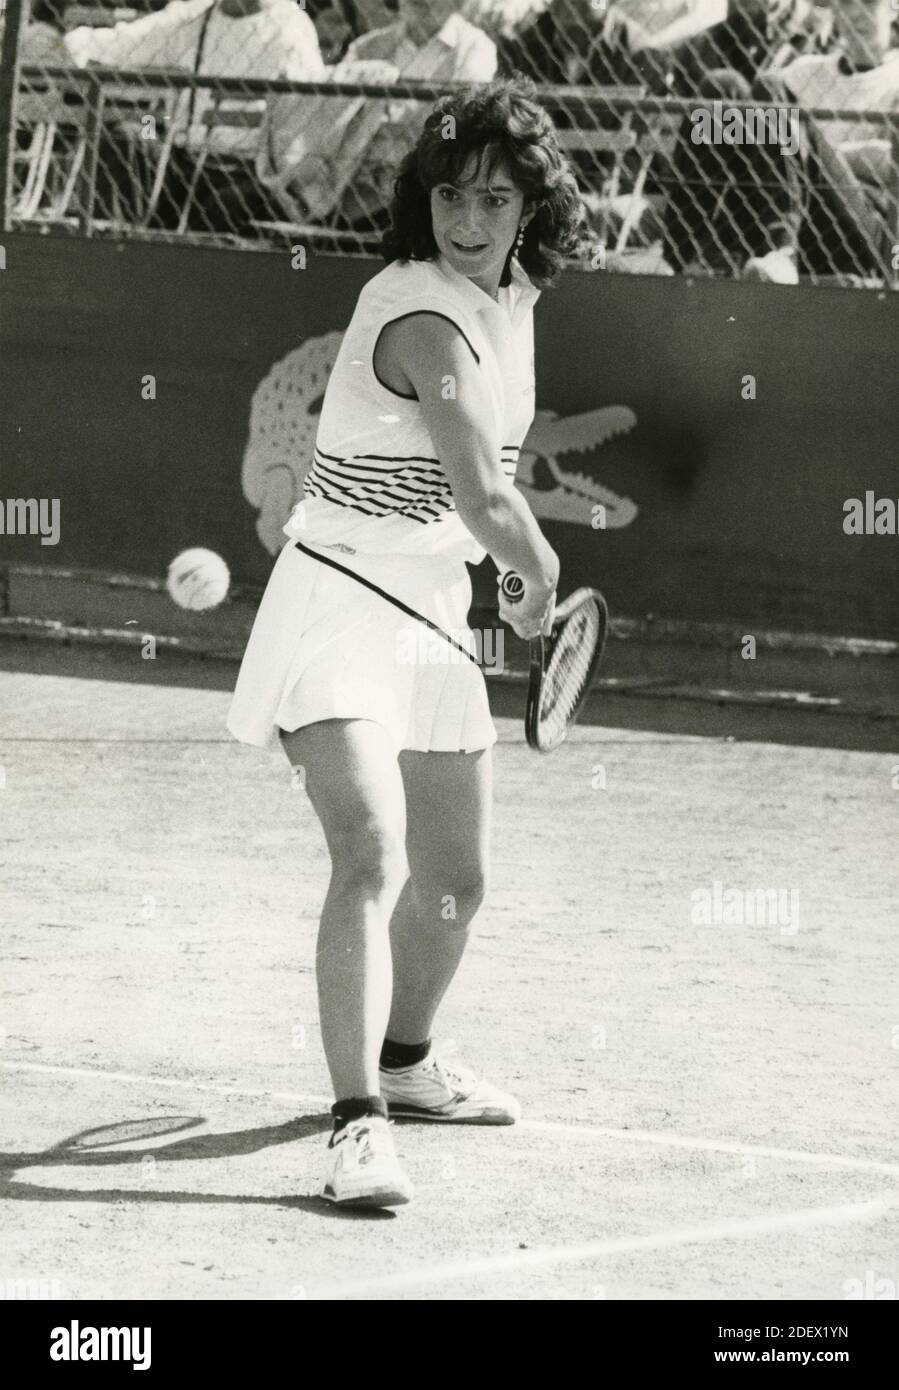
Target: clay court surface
{"type": "Point", "coordinates": [710, 1110]}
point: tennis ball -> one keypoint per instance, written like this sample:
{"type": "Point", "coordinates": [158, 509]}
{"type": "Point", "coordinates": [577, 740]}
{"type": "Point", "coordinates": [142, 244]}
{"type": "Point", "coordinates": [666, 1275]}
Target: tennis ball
{"type": "Point", "coordinates": [198, 579]}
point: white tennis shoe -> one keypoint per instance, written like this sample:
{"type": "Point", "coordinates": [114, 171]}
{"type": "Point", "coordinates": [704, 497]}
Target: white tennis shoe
{"type": "Point", "coordinates": [437, 1089]}
{"type": "Point", "coordinates": [363, 1169]}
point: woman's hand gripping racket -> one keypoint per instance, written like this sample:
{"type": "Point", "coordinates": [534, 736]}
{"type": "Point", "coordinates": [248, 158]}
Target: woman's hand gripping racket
{"type": "Point", "coordinates": [563, 664]}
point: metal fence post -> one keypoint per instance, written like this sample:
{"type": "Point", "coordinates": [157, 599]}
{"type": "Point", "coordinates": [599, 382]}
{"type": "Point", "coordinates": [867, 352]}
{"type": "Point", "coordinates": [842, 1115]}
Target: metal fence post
{"type": "Point", "coordinates": [87, 178]}
{"type": "Point", "coordinates": [893, 203]}
{"type": "Point", "coordinates": [16, 13]}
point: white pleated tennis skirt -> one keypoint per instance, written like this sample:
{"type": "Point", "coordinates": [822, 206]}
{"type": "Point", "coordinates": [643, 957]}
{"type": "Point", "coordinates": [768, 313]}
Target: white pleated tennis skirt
{"type": "Point", "coordinates": [323, 646]}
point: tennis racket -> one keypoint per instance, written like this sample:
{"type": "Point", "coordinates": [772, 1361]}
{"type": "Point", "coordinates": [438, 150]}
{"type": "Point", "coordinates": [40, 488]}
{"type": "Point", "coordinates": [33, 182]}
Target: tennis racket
{"type": "Point", "coordinates": [562, 665]}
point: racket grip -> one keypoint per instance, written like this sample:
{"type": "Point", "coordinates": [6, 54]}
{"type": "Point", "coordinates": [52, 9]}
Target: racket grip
{"type": "Point", "coordinates": [512, 587]}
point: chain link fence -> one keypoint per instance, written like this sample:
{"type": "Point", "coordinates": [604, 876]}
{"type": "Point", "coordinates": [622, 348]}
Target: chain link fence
{"type": "Point", "coordinates": [753, 140]}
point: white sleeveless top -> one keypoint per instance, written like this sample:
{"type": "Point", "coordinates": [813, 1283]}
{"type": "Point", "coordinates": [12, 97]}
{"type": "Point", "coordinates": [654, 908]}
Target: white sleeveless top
{"type": "Point", "coordinates": [376, 485]}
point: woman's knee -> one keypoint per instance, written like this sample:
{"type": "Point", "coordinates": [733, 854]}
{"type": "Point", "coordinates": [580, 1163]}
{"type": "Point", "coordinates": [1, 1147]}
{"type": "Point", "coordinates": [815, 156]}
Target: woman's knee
{"type": "Point", "coordinates": [454, 901]}
{"type": "Point", "coordinates": [367, 854]}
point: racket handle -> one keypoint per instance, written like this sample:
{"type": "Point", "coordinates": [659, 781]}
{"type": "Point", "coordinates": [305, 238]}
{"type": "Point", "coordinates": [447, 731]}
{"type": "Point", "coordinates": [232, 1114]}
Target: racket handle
{"type": "Point", "coordinates": [512, 587]}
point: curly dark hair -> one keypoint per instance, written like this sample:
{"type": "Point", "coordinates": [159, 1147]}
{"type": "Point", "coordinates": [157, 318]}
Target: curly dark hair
{"type": "Point", "coordinates": [503, 120]}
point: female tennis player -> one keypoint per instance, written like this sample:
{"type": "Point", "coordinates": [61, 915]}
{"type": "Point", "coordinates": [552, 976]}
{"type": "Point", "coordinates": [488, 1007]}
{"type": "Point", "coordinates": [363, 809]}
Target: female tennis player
{"type": "Point", "coordinates": [425, 411]}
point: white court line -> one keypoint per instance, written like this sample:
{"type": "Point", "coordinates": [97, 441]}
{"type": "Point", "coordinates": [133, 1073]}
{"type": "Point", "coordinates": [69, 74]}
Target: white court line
{"type": "Point", "coordinates": [640, 1136]}
{"type": "Point", "coordinates": [94, 1073]}
{"type": "Point", "coordinates": [742, 1229]}
{"type": "Point", "coordinates": [674, 1141]}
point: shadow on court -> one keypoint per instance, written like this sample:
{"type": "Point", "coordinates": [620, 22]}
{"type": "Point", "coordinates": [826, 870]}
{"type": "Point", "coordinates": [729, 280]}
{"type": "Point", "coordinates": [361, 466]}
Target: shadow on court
{"type": "Point", "coordinates": [76, 1151]}
{"type": "Point", "coordinates": [644, 707]}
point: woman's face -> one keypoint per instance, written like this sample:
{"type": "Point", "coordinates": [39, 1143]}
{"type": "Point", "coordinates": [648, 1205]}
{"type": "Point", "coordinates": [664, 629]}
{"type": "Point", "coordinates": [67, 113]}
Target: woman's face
{"type": "Point", "coordinates": [476, 221]}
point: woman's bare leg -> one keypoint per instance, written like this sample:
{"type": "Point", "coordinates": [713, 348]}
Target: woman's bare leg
{"type": "Point", "coordinates": [448, 806]}
{"type": "Point", "coordinates": [353, 781]}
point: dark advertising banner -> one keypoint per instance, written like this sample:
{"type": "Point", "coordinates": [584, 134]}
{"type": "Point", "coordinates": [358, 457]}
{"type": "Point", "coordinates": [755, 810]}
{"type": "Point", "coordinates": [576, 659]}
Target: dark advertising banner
{"type": "Point", "coordinates": [154, 398]}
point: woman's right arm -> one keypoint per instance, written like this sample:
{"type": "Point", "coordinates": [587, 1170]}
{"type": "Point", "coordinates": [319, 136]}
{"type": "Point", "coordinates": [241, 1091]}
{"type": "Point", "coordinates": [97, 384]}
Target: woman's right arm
{"type": "Point", "coordinates": [458, 411]}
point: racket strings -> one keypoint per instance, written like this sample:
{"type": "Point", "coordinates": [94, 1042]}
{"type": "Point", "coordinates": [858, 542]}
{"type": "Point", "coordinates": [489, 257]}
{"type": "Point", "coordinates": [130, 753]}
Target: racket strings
{"type": "Point", "coordinates": [568, 670]}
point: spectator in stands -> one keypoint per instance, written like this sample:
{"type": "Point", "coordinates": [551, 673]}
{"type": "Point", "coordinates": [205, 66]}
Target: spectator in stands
{"type": "Point", "coordinates": [746, 38]}
{"type": "Point", "coordinates": [429, 38]}
{"type": "Point", "coordinates": [862, 74]}
{"type": "Point", "coordinates": [563, 45]}
{"type": "Point", "coordinates": [638, 35]}
{"type": "Point", "coordinates": [848, 223]}
{"type": "Point", "coordinates": [756, 37]}
{"type": "Point", "coordinates": [226, 38]}
{"type": "Point", "coordinates": [748, 206]}
{"type": "Point", "coordinates": [351, 181]}
{"type": "Point", "coordinates": [625, 43]}
{"type": "Point", "coordinates": [734, 209]}
{"type": "Point", "coordinates": [338, 22]}
{"type": "Point", "coordinates": [573, 42]}
{"type": "Point", "coordinates": [550, 46]}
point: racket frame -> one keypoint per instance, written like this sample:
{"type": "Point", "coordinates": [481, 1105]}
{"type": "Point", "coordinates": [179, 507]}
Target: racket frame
{"type": "Point", "coordinates": [541, 649]}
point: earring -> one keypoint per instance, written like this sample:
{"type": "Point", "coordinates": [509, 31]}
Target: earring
{"type": "Point", "coordinates": [519, 239]}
